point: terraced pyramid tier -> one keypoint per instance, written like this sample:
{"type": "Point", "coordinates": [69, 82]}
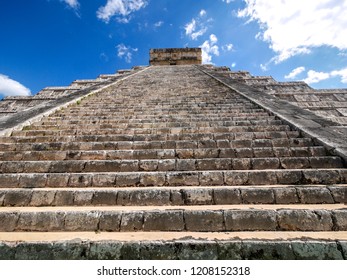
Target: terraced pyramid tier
{"type": "Point", "coordinates": [169, 163]}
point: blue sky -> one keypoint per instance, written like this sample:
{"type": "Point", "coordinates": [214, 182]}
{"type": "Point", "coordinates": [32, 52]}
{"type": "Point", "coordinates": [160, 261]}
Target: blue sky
{"type": "Point", "coordinates": [54, 42]}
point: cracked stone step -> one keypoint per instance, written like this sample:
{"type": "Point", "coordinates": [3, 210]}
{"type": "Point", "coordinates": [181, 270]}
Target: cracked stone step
{"type": "Point", "coordinates": [149, 125]}
{"type": "Point", "coordinates": [172, 178]}
{"type": "Point", "coordinates": [88, 166]}
{"type": "Point", "coordinates": [159, 196]}
{"type": "Point", "coordinates": [293, 136]}
{"type": "Point", "coordinates": [174, 245]}
{"type": "Point", "coordinates": [147, 154]}
{"type": "Point", "coordinates": [207, 218]}
{"type": "Point", "coordinates": [165, 131]}
{"type": "Point", "coordinates": [286, 143]}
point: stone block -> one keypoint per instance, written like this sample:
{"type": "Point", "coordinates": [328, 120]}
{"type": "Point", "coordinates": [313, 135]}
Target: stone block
{"type": "Point", "coordinates": [105, 197]}
{"type": "Point", "coordinates": [241, 164]}
{"type": "Point", "coordinates": [185, 165]}
{"type": "Point", "coordinates": [41, 221]}
{"type": "Point", "coordinates": [63, 198]}
{"type": "Point", "coordinates": [80, 180]}
{"type": "Point", "coordinates": [267, 250]}
{"type": "Point", "coordinates": [315, 195]}
{"type": "Point", "coordinates": [152, 179]}
{"type": "Point", "coordinates": [200, 220]}
{"type": "Point", "coordinates": [236, 178]}
{"type": "Point", "coordinates": [105, 251]}
{"type": "Point", "coordinates": [265, 163]}
{"type": "Point", "coordinates": [132, 221]}
{"type": "Point", "coordinates": [321, 177]}
{"type": "Point", "coordinates": [127, 180]}
{"type": "Point", "coordinates": [316, 250]}
{"type": "Point", "coordinates": [211, 178]}
{"type": "Point", "coordinates": [148, 165]}
{"type": "Point", "coordinates": [197, 196]}
{"type": "Point", "coordinates": [250, 220]}
{"type": "Point", "coordinates": [305, 220]}
{"type": "Point", "coordinates": [287, 177]}
{"type": "Point", "coordinates": [295, 163]}
{"type": "Point", "coordinates": [262, 178]}
{"type": "Point", "coordinates": [257, 196]}
{"type": "Point", "coordinates": [227, 196]}
{"type": "Point", "coordinates": [8, 221]}
{"type": "Point", "coordinates": [42, 198]}
{"type": "Point", "coordinates": [168, 220]}
{"type": "Point", "coordinates": [16, 197]}
{"type": "Point", "coordinates": [9, 180]}
{"type": "Point", "coordinates": [166, 165]}
{"type": "Point", "coordinates": [340, 219]}
{"type": "Point", "coordinates": [31, 181]}
{"type": "Point", "coordinates": [197, 250]}
{"type": "Point", "coordinates": [103, 180]}
{"type": "Point", "coordinates": [286, 195]}
{"type": "Point", "coordinates": [57, 180]}
{"type": "Point", "coordinates": [110, 221]}
{"type": "Point", "coordinates": [182, 179]}
{"type": "Point", "coordinates": [81, 221]}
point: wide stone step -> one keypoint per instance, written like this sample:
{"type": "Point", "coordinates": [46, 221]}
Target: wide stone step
{"type": "Point", "coordinates": [171, 196]}
{"type": "Point", "coordinates": [65, 166]}
{"type": "Point", "coordinates": [162, 118]}
{"type": "Point", "coordinates": [171, 178]}
{"type": "Point", "coordinates": [207, 218]}
{"type": "Point", "coordinates": [146, 154]}
{"type": "Point", "coordinates": [97, 137]}
{"type": "Point", "coordinates": [115, 125]}
{"type": "Point", "coordinates": [120, 119]}
{"type": "Point", "coordinates": [132, 131]}
{"type": "Point", "coordinates": [269, 245]}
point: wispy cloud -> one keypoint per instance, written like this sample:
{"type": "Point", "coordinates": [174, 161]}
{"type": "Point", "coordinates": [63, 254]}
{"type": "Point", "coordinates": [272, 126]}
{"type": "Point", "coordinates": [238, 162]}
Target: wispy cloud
{"type": "Point", "coordinates": [197, 26]}
{"type": "Point", "coordinates": [209, 48]}
{"type": "Point", "coordinates": [74, 4]}
{"type": "Point", "coordinates": [297, 71]}
{"type": "Point", "coordinates": [228, 1]}
{"type": "Point", "coordinates": [228, 47]}
{"type": "Point", "coordinates": [9, 87]}
{"type": "Point", "coordinates": [125, 52]}
{"type": "Point", "coordinates": [293, 27]}
{"type": "Point", "coordinates": [120, 8]}
{"type": "Point", "coordinates": [158, 24]}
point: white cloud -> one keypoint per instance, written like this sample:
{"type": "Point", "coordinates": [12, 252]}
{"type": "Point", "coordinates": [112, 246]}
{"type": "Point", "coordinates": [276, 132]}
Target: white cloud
{"type": "Point", "coordinates": [196, 27]}
{"type": "Point", "coordinates": [233, 65]}
{"type": "Point", "coordinates": [9, 87]}
{"type": "Point", "coordinates": [295, 73]}
{"type": "Point", "coordinates": [342, 73]}
{"type": "Point", "coordinates": [74, 4]}
{"type": "Point", "coordinates": [122, 8]}
{"type": "Point", "coordinates": [228, 47]}
{"type": "Point", "coordinates": [158, 24]}
{"type": "Point", "coordinates": [294, 27]}
{"type": "Point", "coordinates": [209, 48]}
{"type": "Point", "coordinates": [125, 52]}
{"type": "Point", "coordinates": [315, 77]}
{"type": "Point", "coordinates": [228, 1]}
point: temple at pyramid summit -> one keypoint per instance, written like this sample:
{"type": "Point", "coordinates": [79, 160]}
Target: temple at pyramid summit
{"type": "Point", "coordinates": [174, 160]}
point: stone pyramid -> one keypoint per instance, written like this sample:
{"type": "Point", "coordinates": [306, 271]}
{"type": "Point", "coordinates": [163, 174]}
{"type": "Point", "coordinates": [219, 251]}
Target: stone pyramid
{"type": "Point", "coordinates": [180, 161]}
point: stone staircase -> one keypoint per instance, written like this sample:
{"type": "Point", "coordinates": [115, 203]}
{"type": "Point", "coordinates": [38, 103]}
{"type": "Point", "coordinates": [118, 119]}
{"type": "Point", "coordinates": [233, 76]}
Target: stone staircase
{"type": "Point", "coordinates": [169, 164]}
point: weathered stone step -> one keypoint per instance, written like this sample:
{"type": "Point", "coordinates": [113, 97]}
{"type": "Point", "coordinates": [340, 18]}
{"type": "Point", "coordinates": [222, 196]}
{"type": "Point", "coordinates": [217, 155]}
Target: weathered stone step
{"type": "Point", "coordinates": [47, 121]}
{"type": "Point", "coordinates": [132, 115]}
{"type": "Point", "coordinates": [162, 118]}
{"type": "Point", "coordinates": [269, 245]}
{"type": "Point", "coordinates": [171, 178]}
{"type": "Point", "coordinates": [160, 196]}
{"type": "Point", "coordinates": [70, 145]}
{"type": "Point", "coordinates": [58, 166]}
{"type": "Point", "coordinates": [206, 218]}
{"type": "Point", "coordinates": [115, 125]}
{"type": "Point", "coordinates": [168, 130]}
{"type": "Point", "coordinates": [240, 136]}
{"type": "Point", "coordinates": [142, 154]}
